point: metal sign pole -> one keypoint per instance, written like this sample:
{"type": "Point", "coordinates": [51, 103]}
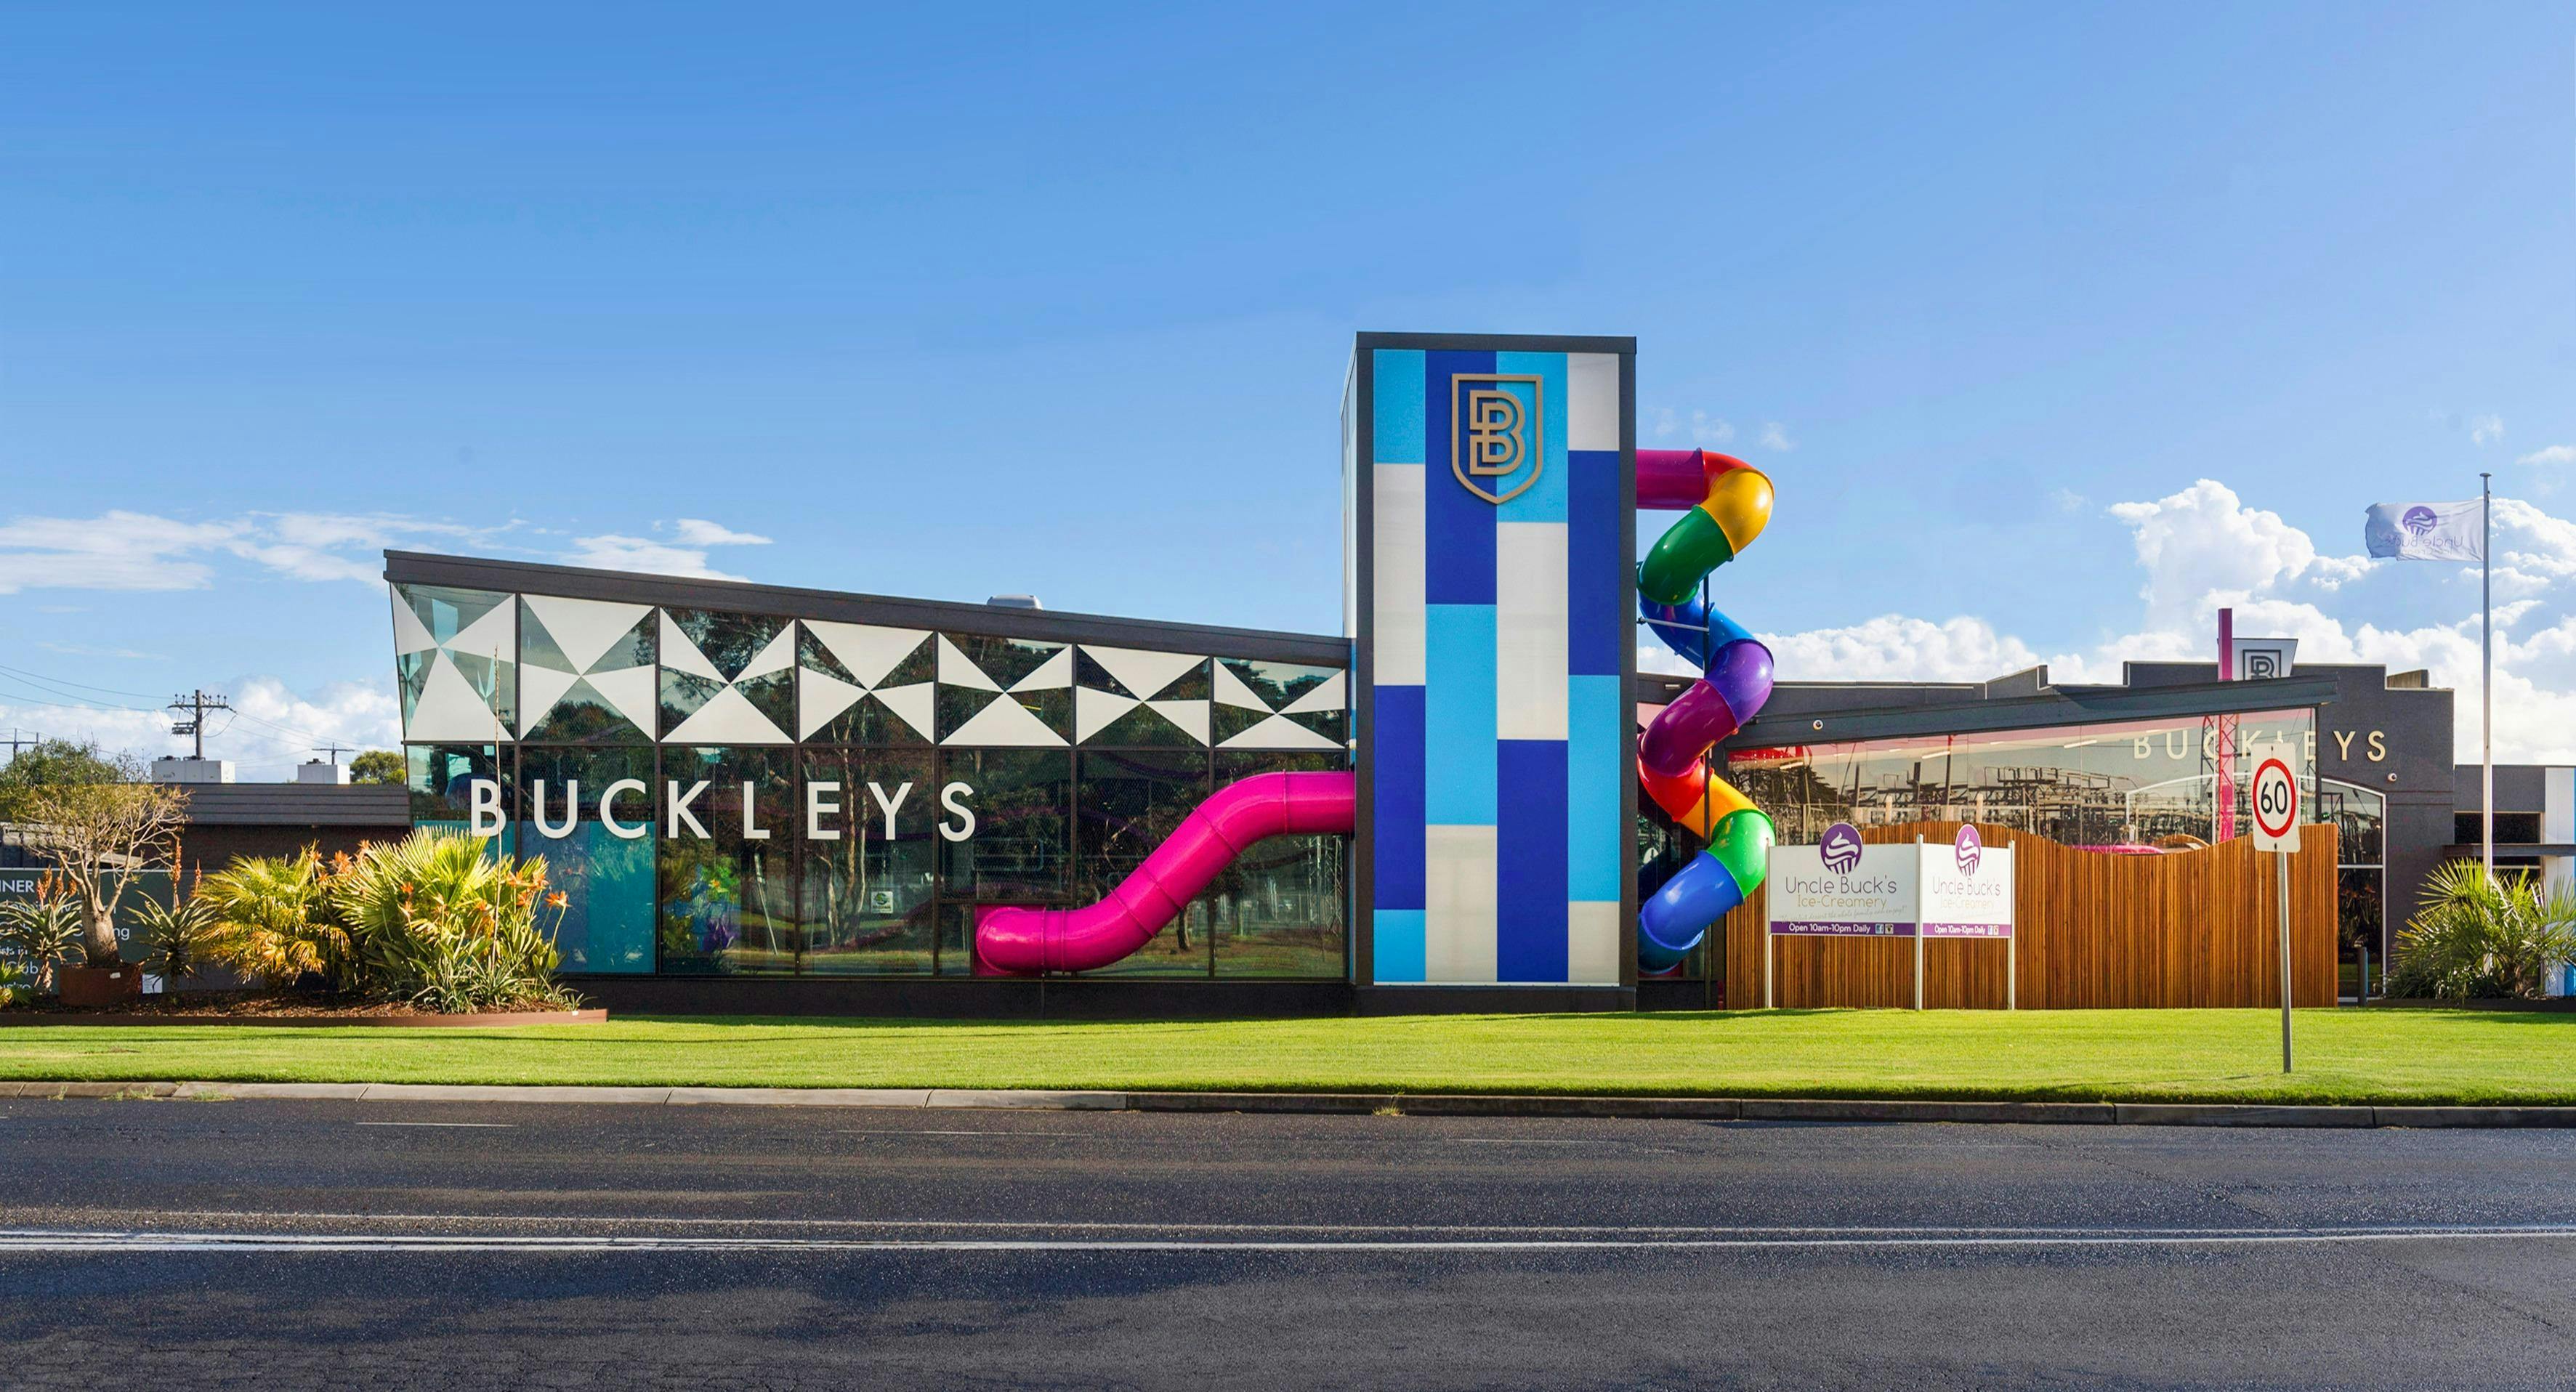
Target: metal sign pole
{"type": "Point", "coordinates": [2281, 877]}
{"type": "Point", "coordinates": [1918, 921]}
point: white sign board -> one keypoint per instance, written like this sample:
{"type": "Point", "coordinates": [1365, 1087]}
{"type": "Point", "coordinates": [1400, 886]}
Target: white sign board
{"type": "Point", "coordinates": [1965, 888]}
{"type": "Point", "coordinates": [2276, 805]}
{"type": "Point", "coordinates": [1841, 887]}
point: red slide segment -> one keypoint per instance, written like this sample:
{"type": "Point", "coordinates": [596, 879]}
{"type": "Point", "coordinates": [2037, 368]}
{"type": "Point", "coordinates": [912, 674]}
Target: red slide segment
{"type": "Point", "coordinates": [1010, 941]}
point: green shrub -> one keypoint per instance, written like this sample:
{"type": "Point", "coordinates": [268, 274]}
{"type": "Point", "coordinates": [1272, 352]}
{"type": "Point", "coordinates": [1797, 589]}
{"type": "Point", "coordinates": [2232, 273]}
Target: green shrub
{"type": "Point", "coordinates": [2483, 937]}
{"type": "Point", "coordinates": [433, 919]}
{"type": "Point", "coordinates": [439, 922]}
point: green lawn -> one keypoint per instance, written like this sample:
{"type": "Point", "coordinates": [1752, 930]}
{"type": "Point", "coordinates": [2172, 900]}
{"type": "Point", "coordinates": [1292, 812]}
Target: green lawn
{"type": "Point", "coordinates": [2221, 1055]}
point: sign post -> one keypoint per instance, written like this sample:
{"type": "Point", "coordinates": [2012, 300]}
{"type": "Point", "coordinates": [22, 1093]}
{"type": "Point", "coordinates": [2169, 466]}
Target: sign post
{"type": "Point", "coordinates": [2276, 830]}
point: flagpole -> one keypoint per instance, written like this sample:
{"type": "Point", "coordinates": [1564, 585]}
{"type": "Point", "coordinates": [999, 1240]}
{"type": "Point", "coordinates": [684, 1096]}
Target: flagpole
{"type": "Point", "coordinates": [2486, 678]}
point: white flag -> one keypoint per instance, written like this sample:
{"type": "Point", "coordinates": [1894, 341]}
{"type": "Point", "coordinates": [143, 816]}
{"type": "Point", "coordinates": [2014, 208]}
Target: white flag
{"type": "Point", "coordinates": [2426, 531]}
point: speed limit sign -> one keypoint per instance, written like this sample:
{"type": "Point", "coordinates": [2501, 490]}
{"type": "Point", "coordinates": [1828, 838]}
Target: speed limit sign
{"type": "Point", "coordinates": [2276, 807]}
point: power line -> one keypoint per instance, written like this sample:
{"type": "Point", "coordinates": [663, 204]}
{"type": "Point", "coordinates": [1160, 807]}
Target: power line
{"type": "Point", "coordinates": [66, 681]}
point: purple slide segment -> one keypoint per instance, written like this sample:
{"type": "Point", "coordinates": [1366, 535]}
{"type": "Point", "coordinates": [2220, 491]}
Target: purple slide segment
{"type": "Point", "coordinates": [1016, 940]}
{"type": "Point", "coordinates": [1739, 679]}
{"type": "Point", "coordinates": [1670, 480]}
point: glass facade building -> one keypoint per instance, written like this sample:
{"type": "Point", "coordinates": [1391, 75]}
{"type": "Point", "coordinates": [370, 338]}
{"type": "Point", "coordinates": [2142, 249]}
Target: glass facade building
{"type": "Point", "coordinates": [801, 785]}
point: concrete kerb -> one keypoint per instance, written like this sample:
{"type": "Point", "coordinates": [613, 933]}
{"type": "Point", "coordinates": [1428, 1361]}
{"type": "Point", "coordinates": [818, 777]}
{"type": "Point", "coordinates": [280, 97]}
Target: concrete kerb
{"type": "Point", "coordinates": [1348, 1104]}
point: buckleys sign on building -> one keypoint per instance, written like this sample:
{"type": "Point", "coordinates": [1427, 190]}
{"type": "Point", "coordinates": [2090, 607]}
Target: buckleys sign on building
{"type": "Point", "coordinates": [1844, 887]}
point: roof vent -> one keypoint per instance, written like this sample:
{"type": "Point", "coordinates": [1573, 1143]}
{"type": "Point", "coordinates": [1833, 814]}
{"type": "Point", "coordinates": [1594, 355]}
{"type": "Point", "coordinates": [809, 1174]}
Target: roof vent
{"type": "Point", "coordinates": [1015, 601]}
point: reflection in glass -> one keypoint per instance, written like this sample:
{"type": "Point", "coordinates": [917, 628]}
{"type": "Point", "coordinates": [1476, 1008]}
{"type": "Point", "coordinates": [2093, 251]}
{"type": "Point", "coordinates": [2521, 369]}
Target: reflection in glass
{"type": "Point", "coordinates": [441, 778]}
{"type": "Point", "coordinates": [1036, 675]}
{"type": "Point", "coordinates": [868, 893]}
{"type": "Point", "coordinates": [455, 662]}
{"type": "Point", "coordinates": [2144, 784]}
{"type": "Point", "coordinates": [606, 879]}
{"type": "Point", "coordinates": [1250, 691]}
{"type": "Point", "coordinates": [592, 682]}
{"type": "Point", "coordinates": [1130, 801]}
{"type": "Point", "coordinates": [1280, 910]}
{"type": "Point", "coordinates": [728, 901]}
{"type": "Point", "coordinates": [706, 653]}
{"type": "Point", "coordinates": [1022, 849]}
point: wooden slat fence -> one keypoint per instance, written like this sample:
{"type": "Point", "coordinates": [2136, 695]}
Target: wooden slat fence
{"type": "Point", "coordinates": [2188, 928]}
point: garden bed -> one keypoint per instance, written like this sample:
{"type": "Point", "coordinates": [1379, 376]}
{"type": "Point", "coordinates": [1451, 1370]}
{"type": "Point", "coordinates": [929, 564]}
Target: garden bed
{"type": "Point", "coordinates": [269, 1008]}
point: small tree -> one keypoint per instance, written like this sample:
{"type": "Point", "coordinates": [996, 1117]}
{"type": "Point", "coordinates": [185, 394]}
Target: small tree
{"type": "Point", "coordinates": [100, 823]}
{"type": "Point", "coordinates": [378, 766]}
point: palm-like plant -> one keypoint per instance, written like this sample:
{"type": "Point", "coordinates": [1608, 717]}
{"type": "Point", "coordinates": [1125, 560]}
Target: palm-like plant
{"type": "Point", "coordinates": [438, 920]}
{"type": "Point", "coordinates": [272, 920]}
{"type": "Point", "coordinates": [179, 936]}
{"type": "Point", "coordinates": [2482, 936]}
{"type": "Point", "coordinates": [39, 933]}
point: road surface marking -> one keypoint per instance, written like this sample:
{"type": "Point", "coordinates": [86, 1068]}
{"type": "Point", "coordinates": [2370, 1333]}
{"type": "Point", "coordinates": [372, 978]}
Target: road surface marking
{"type": "Point", "coordinates": [471, 1125]}
{"type": "Point", "coordinates": [68, 1241]}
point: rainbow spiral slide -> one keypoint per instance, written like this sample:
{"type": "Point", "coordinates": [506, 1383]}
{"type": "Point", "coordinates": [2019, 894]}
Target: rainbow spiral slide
{"type": "Point", "coordinates": [1727, 503]}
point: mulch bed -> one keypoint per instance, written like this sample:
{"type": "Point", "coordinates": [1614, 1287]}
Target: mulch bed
{"type": "Point", "coordinates": [287, 1008]}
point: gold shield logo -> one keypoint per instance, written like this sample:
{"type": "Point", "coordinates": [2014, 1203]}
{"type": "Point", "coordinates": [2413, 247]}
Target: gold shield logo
{"type": "Point", "coordinates": [1495, 432]}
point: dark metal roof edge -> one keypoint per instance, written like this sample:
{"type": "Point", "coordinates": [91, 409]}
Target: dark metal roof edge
{"type": "Point", "coordinates": [2081, 705]}
{"type": "Point", "coordinates": [1497, 343]}
{"type": "Point", "coordinates": [2470, 850]}
{"type": "Point", "coordinates": [786, 601]}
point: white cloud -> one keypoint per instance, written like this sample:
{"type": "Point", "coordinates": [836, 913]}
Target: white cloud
{"type": "Point", "coordinates": [122, 550]}
{"type": "Point", "coordinates": [1775, 436]}
{"type": "Point", "coordinates": [695, 531]}
{"type": "Point", "coordinates": [2553, 454]}
{"type": "Point", "coordinates": [685, 555]}
{"type": "Point", "coordinates": [2204, 547]}
{"type": "Point", "coordinates": [269, 730]}
{"type": "Point", "coordinates": [116, 550]}
{"type": "Point", "coordinates": [1703, 429]}
{"type": "Point", "coordinates": [2485, 429]}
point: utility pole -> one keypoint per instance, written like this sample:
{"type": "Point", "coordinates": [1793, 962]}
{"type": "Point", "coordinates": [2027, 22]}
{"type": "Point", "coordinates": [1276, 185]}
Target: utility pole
{"type": "Point", "coordinates": [196, 703]}
{"type": "Point", "coordinates": [18, 740]}
{"type": "Point", "coordinates": [334, 751]}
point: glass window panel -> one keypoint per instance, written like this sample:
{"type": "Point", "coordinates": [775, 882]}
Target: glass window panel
{"type": "Point", "coordinates": [1276, 686]}
{"type": "Point", "coordinates": [2360, 817]}
{"type": "Point", "coordinates": [1281, 909]}
{"type": "Point", "coordinates": [1021, 851]}
{"type": "Point", "coordinates": [2360, 914]}
{"type": "Point", "coordinates": [708, 654]}
{"type": "Point", "coordinates": [871, 717]}
{"type": "Point", "coordinates": [441, 780]}
{"type": "Point", "coordinates": [2171, 784]}
{"type": "Point", "coordinates": [456, 662]}
{"type": "Point", "coordinates": [593, 681]}
{"type": "Point", "coordinates": [1038, 676]}
{"type": "Point", "coordinates": [606, 879]}
{"type": "Point", "coordinates": [728, 900]}
{"type": "Point", "coordinates": [869, 895]}
{"type": "Point", "coordinates": [1129, 802]}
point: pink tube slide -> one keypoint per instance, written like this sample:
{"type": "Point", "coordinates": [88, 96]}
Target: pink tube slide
{"type": "Point", "coordinates": [1011, 941]}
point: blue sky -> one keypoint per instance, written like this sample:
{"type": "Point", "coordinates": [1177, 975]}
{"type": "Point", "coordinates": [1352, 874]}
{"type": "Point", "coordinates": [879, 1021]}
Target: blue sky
{"type": "Point", "coordinates": [2056, 325]}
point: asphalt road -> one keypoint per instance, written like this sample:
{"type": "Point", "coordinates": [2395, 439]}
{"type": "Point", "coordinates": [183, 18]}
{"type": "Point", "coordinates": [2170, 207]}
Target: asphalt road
{"type": "Point", "coordinates": [332, 1244]}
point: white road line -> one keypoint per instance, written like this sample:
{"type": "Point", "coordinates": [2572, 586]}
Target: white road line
{"type": "Point", "coordinates": [42, 1241]}
{"type": "Point", "coordinates": [1635, 1232]}
{"type": "Point", "coordinates": [467, 1125]}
